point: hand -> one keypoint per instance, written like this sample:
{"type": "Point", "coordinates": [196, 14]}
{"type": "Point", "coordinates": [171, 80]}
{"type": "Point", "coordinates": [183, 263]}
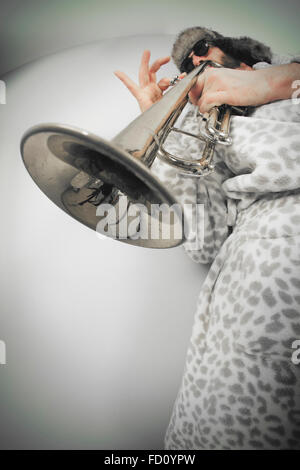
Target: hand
{"type": "Point", "coordinates": [215, 86]}
{"type": "Point", "coordinates": [148, 91]}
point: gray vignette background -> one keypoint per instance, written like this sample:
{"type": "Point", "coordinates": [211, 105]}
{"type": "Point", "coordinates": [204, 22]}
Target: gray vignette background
{"type": "Point", "coordinates": [96, 332]}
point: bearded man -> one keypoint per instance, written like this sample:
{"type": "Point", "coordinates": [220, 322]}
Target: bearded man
{"type": "Point", "coordinates": [240, 387]}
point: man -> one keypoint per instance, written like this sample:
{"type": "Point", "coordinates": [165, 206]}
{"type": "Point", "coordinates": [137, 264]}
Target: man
{"type": "Point", "coordinates": [243, 90]}
{"type": "Point", "coordinates": [240, 388]}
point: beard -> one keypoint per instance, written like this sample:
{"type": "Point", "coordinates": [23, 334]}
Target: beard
{"type": "Point", "coordinates": [230, 62]}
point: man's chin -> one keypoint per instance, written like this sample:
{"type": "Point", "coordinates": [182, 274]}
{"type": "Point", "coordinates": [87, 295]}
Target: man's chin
{"type": "Point", "coordinates": [230, 62]}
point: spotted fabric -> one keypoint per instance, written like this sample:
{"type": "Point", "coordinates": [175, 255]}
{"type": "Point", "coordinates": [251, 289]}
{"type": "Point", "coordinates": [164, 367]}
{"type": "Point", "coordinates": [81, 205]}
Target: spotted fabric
{"type": "Point", "coordinates": [240, 388]}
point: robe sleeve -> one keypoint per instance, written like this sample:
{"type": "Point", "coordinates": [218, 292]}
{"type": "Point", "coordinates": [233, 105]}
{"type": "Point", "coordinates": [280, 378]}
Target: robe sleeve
{"type": "Point", "coordinates": [266, 152]}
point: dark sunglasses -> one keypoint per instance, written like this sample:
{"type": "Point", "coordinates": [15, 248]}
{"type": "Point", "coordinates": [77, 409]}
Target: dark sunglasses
{"type": "Point", "coordinates": [200, 48]}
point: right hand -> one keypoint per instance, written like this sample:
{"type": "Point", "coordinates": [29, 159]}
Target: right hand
{"type": "Point", "coordinates": [148, 91]}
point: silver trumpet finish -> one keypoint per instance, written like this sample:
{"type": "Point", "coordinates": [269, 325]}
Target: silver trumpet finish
{"type": "Point", "coordinates": [215, 131]}
{"type": "Point", "coordinates": [84, 174]}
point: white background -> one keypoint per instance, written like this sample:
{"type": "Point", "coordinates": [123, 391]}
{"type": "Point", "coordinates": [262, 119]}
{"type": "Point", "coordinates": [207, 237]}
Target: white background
{"type": "Point", "coordinates": [96, 331]}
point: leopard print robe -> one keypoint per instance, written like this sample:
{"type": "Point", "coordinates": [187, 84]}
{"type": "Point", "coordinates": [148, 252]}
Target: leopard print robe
{"type": "Point", "coordinates": [240, 388]}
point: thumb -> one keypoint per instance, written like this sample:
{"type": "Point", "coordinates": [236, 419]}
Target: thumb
{"type": "Point", "coordinates": [210, 100]}
{"type": "Point", "coordinates": [164, 83]}
{"type": "Point", "coordinates": [197, 89]}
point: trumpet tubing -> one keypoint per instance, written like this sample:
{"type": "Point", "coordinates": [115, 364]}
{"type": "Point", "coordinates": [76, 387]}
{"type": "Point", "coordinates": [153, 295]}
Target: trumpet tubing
{"type": "Point", "coordinates": [81, 173]}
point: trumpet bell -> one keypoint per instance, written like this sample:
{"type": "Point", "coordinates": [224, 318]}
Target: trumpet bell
{"type": "Point", "coordinates": [102, 186]}
{"type": "Point", "coordinates": [108, 186]}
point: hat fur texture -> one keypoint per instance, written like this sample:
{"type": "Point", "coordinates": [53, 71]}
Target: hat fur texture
{"type": "Point", "coordinates": [244, 49]}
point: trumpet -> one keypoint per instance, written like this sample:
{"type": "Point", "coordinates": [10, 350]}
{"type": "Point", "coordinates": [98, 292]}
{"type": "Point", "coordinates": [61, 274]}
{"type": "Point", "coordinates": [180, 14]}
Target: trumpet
{"type": "Point", "coordinates": [86, 175]}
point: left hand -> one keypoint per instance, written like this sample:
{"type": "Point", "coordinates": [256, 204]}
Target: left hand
{"type": "Point", "coordinates": [148, 91]}
{"type": "Point", "coordinates": [217, 86]}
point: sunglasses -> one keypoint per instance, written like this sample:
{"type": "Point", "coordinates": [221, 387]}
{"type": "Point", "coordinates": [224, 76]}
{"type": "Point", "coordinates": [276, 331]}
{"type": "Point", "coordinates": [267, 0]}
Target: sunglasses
{"type": "Point", "coordinates": [200, 49]}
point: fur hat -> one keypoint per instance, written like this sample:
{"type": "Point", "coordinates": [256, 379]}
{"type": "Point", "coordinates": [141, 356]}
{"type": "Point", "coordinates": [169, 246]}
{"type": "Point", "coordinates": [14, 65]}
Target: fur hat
{"type": "Point", "coordinates": [243, 49]}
